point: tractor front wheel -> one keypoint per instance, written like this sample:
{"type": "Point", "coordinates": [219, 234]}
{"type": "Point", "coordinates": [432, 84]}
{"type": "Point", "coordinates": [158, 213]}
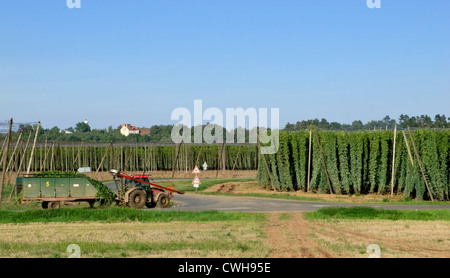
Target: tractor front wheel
{"type": "Point", "coordinates": [137, 199]}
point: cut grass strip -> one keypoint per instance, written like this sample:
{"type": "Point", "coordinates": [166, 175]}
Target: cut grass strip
{"type": "Point", "coordinates": [121, 215]}
{"type": "Point", "coordinates": [372, 213]}
{"type": "Point", "coordinates": [142, 249]}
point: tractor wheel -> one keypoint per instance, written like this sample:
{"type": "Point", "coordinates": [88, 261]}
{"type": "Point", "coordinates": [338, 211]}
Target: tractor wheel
{"type": "Point", "coordinates": [163, 200]}
{"type": "Point", "coordinates": [54, 205]}
{"type": "Point", "coordinates": [45, 204]}
{"type": "Point", "coordinates": [137, 198]}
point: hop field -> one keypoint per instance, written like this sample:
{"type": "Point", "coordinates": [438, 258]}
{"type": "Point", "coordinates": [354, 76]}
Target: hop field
{"type": "Point", "coordinates": [360, 163]}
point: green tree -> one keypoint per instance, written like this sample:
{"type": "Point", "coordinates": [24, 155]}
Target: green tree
{"type": "Point", "coordinates": [82, 127]}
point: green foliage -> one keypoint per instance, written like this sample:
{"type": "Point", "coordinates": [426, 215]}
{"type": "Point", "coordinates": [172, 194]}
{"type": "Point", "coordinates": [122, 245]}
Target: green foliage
{"type": "Point", "coordinates": [299, 145]}
{"type": "Point", "coordinates": [372, 213]}
{"type": "Point", "coordinates": [361, 163]}
{"type": "Point", "coordinates": [356, 161]}
{"type": "Point", "coordinates": [384, 169]}
{"type": "Point", "coordinates": [330, 153]}
{"type": "Point", "coordinates": [284, 162]}
{"type": "Point", "coordinates": [374, 160]}
{"type": "Point", "coordinates": [120, 215]}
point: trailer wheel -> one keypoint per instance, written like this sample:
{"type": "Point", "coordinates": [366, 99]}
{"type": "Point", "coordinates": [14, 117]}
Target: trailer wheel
{"type": "Point", "coordinates": [54, 205]}
{"type": "Point", "coordinates": [163, 200]}
{"type": "Point", "coordinates": [137, 198]}
{"type": "Point", "coordinates": [45, 204]}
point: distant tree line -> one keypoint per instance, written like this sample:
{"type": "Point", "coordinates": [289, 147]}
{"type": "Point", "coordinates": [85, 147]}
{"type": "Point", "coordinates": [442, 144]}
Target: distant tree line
{"type": "Point", "coordinates": [422, 121]}
{"type": "Point", "coordinates": [82, 132]}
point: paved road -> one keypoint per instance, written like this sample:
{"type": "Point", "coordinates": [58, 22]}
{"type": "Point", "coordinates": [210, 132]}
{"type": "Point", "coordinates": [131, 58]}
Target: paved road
{"type": "Point", "coordinates": [193, 202]}
{"type": "Point", "coordinates": [198, 202]}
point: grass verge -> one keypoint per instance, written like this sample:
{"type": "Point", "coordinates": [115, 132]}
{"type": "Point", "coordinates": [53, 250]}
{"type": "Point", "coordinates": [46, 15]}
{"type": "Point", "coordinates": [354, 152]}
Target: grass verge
{"type": "Point", "coordinates": [372, 213]}
{"type": "Point", "coordinates": [120, 215]}
{"type": "Point", "coordinates": [283, 196]}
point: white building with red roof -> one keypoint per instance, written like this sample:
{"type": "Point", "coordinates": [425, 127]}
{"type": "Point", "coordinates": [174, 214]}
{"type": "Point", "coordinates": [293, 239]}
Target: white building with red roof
{"type": "Point", "coordinates": [128, 129]}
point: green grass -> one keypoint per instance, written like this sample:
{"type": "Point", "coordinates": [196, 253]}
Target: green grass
{"type": "Point", "coordinates": [112, 250]}
{"type": "Point", "coordinates": [283, 196]}
{"type": "Point", "coordinates": [285, 216]}
{"type": "Point", "coordinates": [406, 201]}
{"type": "Point", "coordinates": [187, 186]}
{"type": "Point", "coordinates": [372, 213]}
{"type": "Point", "coordinates": [120, 215]}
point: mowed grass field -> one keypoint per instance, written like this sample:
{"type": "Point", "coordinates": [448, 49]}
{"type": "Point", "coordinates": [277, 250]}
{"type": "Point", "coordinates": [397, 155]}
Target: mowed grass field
{"type": "Point", "coordinates": [27, 231]}
{"type": "Point", "coordinates": [129, 233]}
{"type": "Point", "coordinates": [123, 232]}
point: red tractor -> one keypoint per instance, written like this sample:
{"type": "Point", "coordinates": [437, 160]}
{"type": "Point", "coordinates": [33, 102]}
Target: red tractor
{"type": "Point", "coordinates": [137, 191]}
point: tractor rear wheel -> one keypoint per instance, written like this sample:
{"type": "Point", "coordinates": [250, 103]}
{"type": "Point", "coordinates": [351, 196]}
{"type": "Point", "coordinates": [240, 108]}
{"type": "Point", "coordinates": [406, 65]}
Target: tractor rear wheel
{"type": "Point", "coordinates": [163, 200]}
{"type": "Point", "coordinates": [137, 198]}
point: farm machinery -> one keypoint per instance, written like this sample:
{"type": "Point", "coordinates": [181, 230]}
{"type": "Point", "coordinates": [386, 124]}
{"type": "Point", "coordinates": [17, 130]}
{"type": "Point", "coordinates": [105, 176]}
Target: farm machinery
{"type": "Point", "coordinates": [57, 188]}
{"type": "Point", "coordinates": [138, 191]}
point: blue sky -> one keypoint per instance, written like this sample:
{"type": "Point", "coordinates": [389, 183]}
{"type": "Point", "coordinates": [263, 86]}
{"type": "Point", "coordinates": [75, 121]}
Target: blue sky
{"type": "Point", "coordinates": [135, 61]}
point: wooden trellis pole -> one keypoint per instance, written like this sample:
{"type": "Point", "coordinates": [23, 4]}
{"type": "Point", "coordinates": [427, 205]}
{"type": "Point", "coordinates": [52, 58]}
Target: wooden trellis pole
{"type": "Point", "coordinates": [23, 158]}
{"type": "Point", "coordinates": [407, 147]}
{"type": "Point", "coordinates": [5, 160]}
{"type": "Point", "coordinates": [265, 162]}
{"type": "Point", "coordinates": [198, 155]}
{"type": "Point", "coordinates": [13, 154]}
{"type": "Point", "coordinates": [52, 157]}
{"type": "Point", "coordinates": [174, 165]}
{"type": "Point", "coordinates": [32, 149]}
{"type": "Point", "coordinates": [237, 156]}
{"type": "Point", "coordinates": [323, 162]}
{"type": "Point", "coordinates": [420, 164]}
{"type": "Point", "coordinates": [45, 160]}
{"type": "Point", "coordinates": [309, 160]}
{"type": "Point", "coordinates": [3, 149]}
{"type": "Point", "coordinates": [103, 159]}
{"type": "Point", "coordinates": [220, 158]}
{"type": "Point", "coordinates": [393, 162]}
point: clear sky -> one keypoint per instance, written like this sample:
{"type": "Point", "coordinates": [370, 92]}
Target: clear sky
{"type": "Point", "coordinates": [135, 61]}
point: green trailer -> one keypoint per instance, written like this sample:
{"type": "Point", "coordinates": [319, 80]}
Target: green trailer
{"type": "Point", "coordinates": [54, 191]}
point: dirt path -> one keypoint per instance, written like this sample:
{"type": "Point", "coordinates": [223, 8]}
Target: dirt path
{"type": "Point", "coordinates": [288, 237]}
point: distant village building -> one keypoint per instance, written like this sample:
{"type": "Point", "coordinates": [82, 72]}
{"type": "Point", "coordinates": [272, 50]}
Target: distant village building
{"type": "Point", "coordinates": [144, 131]}
{"type": "Point", "coordinates": [128, 129]}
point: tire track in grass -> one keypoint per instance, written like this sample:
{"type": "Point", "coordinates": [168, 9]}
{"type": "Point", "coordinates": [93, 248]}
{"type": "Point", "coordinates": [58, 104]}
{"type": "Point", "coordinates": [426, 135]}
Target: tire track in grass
{"type": "Point", "coordinates": [288, 238]}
